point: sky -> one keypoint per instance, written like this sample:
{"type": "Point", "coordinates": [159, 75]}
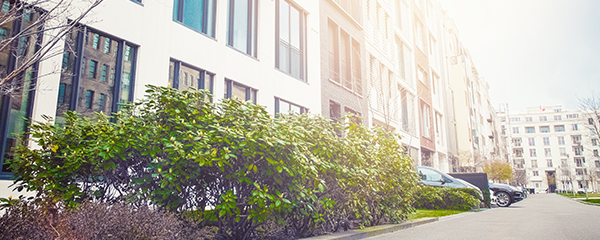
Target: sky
{"type": "Point", "coordinates": [532, 52]}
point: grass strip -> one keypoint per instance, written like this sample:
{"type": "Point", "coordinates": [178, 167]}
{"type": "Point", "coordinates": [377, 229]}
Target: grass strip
{"type": "Point", "coordinates": [422, 213]}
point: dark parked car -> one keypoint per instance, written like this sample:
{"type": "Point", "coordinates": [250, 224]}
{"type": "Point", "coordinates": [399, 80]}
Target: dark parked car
{"type": "Point", "coordinates": [505, 194]}
{"type": "Point", "coordinates": [435, 178]}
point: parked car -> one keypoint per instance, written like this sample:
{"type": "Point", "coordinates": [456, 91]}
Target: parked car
{"type": "Point", "coordinates": [435, 178]}
{"type": "Point", "coordinates": [505, 195]}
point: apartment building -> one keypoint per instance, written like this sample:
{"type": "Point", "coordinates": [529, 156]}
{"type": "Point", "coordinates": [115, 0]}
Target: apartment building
{"type": "Point", "coordinates": [476, 140]}
{"type": "Point", "coordinates": [557, 148]}
{"type": "Point", "coordinates": [267, 52]}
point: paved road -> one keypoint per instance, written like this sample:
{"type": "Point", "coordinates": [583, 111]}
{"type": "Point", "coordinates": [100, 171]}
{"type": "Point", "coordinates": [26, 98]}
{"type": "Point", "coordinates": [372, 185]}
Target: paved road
{"type": "Point", "coordinates": [540, 216]}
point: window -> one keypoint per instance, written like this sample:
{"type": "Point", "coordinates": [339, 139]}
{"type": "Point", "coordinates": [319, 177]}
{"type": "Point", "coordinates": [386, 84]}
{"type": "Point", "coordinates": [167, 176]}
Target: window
{"type": "Point", "coordinates": [597, 163]}
{"type": "Point", "coordinates": [594, 142]}
{"type": "Point", "coordinates": [572, 115]}
{"type": "Point", "coordinates": [103, 73]}
{"type": "Point", "coordinates": [579, 172]}
{"type": "Point", "coordinates": [101, 102]}
{"type": "Point", "coordinates": [183, 76]}
{"type": "Point", "coordinates": [531, 141]}
{"type": "Point", "coordinates": [5, 6]}
{"type": "Point", "coordinates": [536, 173]}
{"type": "Point", "coordinates": [344, 59]}
{"type": "Point", "coordinates": [563, 163]}
{"type": "Point", "coordinates": [96, 40]}
{"type": "Point", "coordinates": [241, 33]}
{"type": "Point", "coordinates": [544, 129]}
{"type": "Point", "coordinates": [532, 153]}
{"type": "Point", "coordinates": [422, 76]}
{"type": "Point", "coordinates": [516, 142]}
{"type": "Point", "coordinates": [559, 128]}
{"type": "Point", "coordinates": [518, 152]}
{"type": "Point", "coordinates": [107, 45]}
{"type": "Point", "coordinates": [239, 91]}
{"type": "Point", "coordinates": [530, 129]}
{"type": "Point", "coordinates": [528, 119]}
{"type": "Point", "coordinates": [115, 88]}
{"type": "Point", "coordinates": [196, 14]}
{"type": "Point", "coordinates": [425, 125]}
{"type": "Point", "coordinates": [579, 161]}
{"type": "Point", "coordinates": [561, 140]}
{"type": "Point", "coordinates": [290, 34]}
{"type": "Point", "coordinates": [546, 141]}
{"type": "Point", "coordinates": [127, 53]}
{"type": "Point", "coordinates": [576, 139]}
{"type": "Point", "coordinates": [578, 151]}
{"type": "Point", "coordinates": [515, 129]}
{"type": "Point", "coordinates": [543, 118]}
{"type": "Point", "coordinates": [335, 111]}
{"type": "Point", "coordinates": [514, 119]}
{"type": "Point", "coordinates": [421, 35]}
{"type": "Point", "coordinates": [282, 106]}
{"type": "Point", "coordinates": [575, 128]}
{"type": "Point", "coordinates": [403, 56]}
{"type": "Point", "coordinates": [563, 151]}
{"type": "Point", "coordinates": [92, 70]}
{"type": "Point", "coordinates": [407, 112]}
{"type": "Point", "coordinates": [89, 97]}
{"type": "Point", "coordinates": [534, 163]}
{"type": "Point", "coordinates": [590, 121]}
{"type": "Point", "coordinates": [3, 33]}
{"type": "Point", "coordinates": [547, 152]}
{"type": "Point", "coordinates": [65, 60]}
{"type": "Point", "coordinates": [557, 118]}
{"type": "Point", "coordinates": [595, 152]}
{"type": "Point", "coordinates": [61, 92]}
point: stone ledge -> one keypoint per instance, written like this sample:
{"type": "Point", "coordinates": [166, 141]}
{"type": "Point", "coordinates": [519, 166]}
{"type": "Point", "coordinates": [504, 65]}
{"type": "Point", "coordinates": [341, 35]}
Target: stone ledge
{"type": "Point", "coordinates": [373, 231]}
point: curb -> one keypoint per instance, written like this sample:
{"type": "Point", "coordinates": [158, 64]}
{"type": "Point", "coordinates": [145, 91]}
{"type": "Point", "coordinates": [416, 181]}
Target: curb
{"type": "Point", "coordinates": [373, 231]}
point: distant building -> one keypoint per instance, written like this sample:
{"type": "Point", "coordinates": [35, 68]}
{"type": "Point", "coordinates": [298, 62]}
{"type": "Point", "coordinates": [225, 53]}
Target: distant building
{"type": "Point", "coordinates": [555, 147]}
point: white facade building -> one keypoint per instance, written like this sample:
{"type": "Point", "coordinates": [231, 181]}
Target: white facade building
{"type": "Point", "coordinates": [556, 148]}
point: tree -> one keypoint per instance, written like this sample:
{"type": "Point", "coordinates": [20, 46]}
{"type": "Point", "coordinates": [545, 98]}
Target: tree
{"type": "Point", "coordinates": [590, 108]}
{"type": "Point", "coordinates": [498, 171]}
{"type": "Point", "coordinates": [33, 32]}
{"type": "Point", "coordinates": [468, 161]}
{"type": "Point", "coordinates": [519, 178]}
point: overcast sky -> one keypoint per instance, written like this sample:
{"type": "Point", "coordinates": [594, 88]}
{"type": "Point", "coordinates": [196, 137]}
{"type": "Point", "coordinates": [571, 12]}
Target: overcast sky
{"type": "Point", "coordinates": [532, 52]}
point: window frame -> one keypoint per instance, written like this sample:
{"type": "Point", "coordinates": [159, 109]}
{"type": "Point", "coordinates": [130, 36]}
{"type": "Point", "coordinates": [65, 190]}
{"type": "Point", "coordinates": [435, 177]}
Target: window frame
{"type": "Point", "coordinates": [178, 17]}
{"type": "Point", "coordinates": [251, 31]}
{"type": "Point", "coordinates": [251, 93]}
{"type": "Point", "coordinates": [278, 107]}
{"type": "Point", "coordinates": [302, 71]}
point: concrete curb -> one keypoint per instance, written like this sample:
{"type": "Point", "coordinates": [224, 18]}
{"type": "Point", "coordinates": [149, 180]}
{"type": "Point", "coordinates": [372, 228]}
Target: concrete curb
{"type": "Point", "coordinates": [373, 231]}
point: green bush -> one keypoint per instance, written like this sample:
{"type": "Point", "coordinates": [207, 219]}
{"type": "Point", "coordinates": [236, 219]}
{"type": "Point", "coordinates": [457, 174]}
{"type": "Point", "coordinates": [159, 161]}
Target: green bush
{"type": "Point", "coordinates": [444, 198]}
{"type": "Point", "coordinates": [177, 151]}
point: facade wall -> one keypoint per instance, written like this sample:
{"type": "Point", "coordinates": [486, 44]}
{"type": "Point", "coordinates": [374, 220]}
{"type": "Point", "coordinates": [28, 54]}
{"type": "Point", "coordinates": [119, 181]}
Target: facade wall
{"type": "Point", "coordinates": [341, 31]}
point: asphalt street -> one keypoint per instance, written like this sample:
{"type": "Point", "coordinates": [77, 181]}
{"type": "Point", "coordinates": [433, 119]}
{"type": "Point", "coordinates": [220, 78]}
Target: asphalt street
{"type": "Point", "coordinates": [540, 216]}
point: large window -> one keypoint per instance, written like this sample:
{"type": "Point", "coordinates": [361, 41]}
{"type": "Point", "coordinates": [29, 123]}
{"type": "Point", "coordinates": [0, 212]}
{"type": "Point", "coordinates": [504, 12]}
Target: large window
{"type": "Point", "coordinates": [16, 107]}
{"type": "Point", "coordinates": [290, 38]}
{"type": "Point", "coordinates": [242, 92]}
{"type": "Point", "coordinates": [344, 59]}
{"type": "Point", "coordinates": [282, 106]}
{"type": "Point", "coordinates": [196, 14]}
{"type": "Point", "coordinates": [82, 90]}
{"type": "Point", "coordinates": [183, 76]}
{"type": "Point", "coordinates": [241, 33]}
{"type": "Point", "coordinates": [425, 120]}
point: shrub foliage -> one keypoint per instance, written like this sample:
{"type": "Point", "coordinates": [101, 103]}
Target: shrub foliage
{"type": "Point", "coordinates": [445, 198]}
{"type": "Point", "coordinates": [178, 151]}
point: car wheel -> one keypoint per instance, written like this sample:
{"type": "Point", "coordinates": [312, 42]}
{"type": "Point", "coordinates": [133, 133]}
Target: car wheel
{"type": "Point", "coordinates": [503, 199]}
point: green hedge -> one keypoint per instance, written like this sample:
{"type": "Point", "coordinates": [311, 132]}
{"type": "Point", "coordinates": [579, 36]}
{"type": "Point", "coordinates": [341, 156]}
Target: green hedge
{"type": "Point", "coordinates": [180, 152]}
{"type": "Point", "coordinates": [445, 198]}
